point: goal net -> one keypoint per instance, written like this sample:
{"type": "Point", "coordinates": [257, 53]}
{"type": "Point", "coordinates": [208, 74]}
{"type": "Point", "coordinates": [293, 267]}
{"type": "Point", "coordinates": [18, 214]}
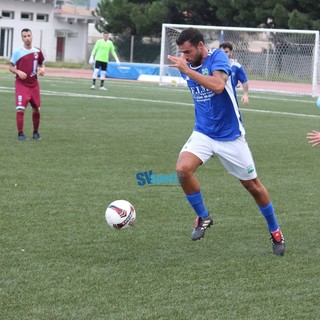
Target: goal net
{"type": "Point", "coordinates": [275, 60]}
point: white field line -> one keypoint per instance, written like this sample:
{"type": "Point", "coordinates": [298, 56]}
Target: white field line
{"type": "Point", "coordinates": [83, 95]}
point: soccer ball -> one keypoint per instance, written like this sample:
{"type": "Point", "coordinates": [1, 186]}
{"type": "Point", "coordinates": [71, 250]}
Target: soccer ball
{"type": "Point", "coordinates": [120, 214]}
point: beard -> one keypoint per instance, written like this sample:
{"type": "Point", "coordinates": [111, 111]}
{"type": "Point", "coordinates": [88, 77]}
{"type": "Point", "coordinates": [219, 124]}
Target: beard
{"type": "Point", "coordinates": [196, 61]}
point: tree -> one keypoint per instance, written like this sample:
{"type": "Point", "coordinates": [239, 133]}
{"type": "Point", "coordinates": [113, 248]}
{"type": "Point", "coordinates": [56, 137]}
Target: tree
{"type": "Point", "coordinates": [195, 12]}
{"type": "Point", "coordinates": [281, 16]}
{"type": "Point", "coordinates": [145, 17]}
{"type": "Point", "coordinates": [131, 17]}
{"type": "Point", "coordinates": [115, 16]}
{"type": "Point", "coordinates": [311, 8]}
{"type": "Point", "coordinates": [225, 11]}
{"type": "Point", "coordinates": [298, 20]}
{"type": "Point", "coordinates": [148, 18]}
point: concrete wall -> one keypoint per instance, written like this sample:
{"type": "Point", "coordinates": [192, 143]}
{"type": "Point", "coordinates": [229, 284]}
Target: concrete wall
{"type": "Point", "coordinates": [74, 29]}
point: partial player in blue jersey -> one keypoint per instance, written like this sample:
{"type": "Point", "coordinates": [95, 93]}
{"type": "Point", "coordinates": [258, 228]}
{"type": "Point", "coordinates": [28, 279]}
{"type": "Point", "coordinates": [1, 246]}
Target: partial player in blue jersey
{"type": "Point", "coordinates": [237, 72]}
{"type": "Point", "coordinates": [313, 138]}
{"type": "Point", "coordinates": [218, 132]}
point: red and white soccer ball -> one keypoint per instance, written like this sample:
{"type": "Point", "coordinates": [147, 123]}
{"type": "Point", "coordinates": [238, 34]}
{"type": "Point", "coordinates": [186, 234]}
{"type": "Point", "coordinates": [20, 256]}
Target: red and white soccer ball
{"type": "Point", "coordinates": [120, 214]}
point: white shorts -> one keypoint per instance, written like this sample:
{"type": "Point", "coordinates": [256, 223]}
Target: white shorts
{"type": "Point", "coordinates": [234, 155]}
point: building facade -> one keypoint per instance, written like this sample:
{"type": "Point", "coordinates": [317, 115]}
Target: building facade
{"type": "Point", "coordinates": [59, 29]}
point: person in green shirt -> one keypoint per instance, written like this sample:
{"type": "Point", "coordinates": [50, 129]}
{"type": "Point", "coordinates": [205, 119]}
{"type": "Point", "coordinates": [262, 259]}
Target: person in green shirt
{"type": "Point", "coordinates": [100, 58]}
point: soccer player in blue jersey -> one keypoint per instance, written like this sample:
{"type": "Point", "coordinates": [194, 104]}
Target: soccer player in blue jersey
{"type": "Point", "coordinates": [237, 72]}
{"type": "Point", "coordinates": [27, 63]}
{"type": "Point", "coordinates": [218, 132]}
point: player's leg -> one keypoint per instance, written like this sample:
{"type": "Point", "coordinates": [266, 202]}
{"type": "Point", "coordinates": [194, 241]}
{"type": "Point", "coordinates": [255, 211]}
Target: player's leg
{"type": "Point", "coordinates": [187, 164]}
{"type": "Point", "coordinates": [20, 124]}
{"type": "Point", "coordinates": [36, 123]}
{"type": "Point", "coordinates": [22, 98]}
{"type": "Point", "coordinates": [236, 157]}
{"type": "Point", "coordinates": [95, 74]}
{"type": "Point", "coordinates": [35, 103]}
{"type": "Point", "coordinates": [246, 172]}
{"type": "Point", "coordinates": [104, 66]}
{"type": "Point", "coordinates": [193, 154]}
{"type": "Point", "coordinates": [261, 196]}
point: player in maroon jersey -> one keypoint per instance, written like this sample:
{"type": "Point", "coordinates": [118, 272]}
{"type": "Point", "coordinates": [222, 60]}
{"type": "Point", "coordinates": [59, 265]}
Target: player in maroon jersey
{"type": "Point", "coordinates": [27, 63]}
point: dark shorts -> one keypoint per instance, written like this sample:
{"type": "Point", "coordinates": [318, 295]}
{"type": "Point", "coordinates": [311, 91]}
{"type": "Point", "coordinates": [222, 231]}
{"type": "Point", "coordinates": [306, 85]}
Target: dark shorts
{"type": "Point", "coordinates": [25, 95]}
{"type": "Point", "coordinates": [101, 65]}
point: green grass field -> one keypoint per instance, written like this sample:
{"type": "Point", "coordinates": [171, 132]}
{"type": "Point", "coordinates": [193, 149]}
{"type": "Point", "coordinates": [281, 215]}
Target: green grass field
{"type": "Point", "coordinates": [59, 258]}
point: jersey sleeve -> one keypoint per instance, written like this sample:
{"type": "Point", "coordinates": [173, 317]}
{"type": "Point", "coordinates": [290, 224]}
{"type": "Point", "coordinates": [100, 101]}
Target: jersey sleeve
{"type": "Point", "coordinates": [41, 59]}
{"type": "Point", "coordinates": [242, 75]}
{"type": "Point", "coordinates": [220, 62]}
{"type": "Point", "coordinates": [15, 57]}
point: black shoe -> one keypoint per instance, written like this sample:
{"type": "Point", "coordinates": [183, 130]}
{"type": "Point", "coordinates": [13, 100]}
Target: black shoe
{"type": "Point", "coordinates": [22, 137]}
{"type": "Point", "coordinates": [200, 227]}
{"type": "Point", "coordinates": [36, 136]}
{"type": "Point", "coordinates": [278, 243]}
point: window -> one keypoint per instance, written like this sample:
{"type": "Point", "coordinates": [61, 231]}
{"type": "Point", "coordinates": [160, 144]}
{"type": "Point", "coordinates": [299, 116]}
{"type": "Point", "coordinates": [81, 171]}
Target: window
{"type": "Point", "coordinates": [6, 36]}
{"type": "Point", "coordinates": [7, 14]}
{"type": "Point", "coordinates": [42, 17]}
{"type": "Point", "coordinates": [26, 16]}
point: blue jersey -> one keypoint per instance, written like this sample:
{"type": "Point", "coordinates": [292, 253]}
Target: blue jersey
{"type": "Point", "coordinates": [216, 115]}
{"type": "Point", "coordinates": [238, 74]}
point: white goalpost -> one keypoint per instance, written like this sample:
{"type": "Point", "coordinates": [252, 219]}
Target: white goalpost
{"type": "Point", "coordinates": [275, 60]}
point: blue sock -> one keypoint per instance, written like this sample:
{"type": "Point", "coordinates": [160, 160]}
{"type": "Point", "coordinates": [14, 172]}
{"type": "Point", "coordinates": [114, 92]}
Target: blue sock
{"type": "Point", "coordinates": [197, 203]}
{"type": "Point", "coordinates": [268, 213]}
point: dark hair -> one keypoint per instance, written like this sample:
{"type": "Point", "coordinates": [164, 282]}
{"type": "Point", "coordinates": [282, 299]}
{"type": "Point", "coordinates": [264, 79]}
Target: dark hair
{"type": "Point", "coordinates": [193, 35]}
{"type": "Point", "coordinates": [26, 30]}
{"type": "Point", "coordinates": [228, 45]}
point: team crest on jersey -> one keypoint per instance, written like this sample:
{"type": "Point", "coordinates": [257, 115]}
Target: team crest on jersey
{"type": "Point", "coordinates": [35, 55]}
{"type": "Point", "coordinates": [205, 71]}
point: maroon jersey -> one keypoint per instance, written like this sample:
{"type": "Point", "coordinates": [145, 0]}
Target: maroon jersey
{"type": "Point", "coordinates": [28, 61]}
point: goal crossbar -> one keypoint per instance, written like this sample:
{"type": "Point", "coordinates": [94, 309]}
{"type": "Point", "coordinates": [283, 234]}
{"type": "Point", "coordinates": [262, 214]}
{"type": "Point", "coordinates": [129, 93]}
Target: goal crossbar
{"type": "Point", "coordinates": [278, 60]}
